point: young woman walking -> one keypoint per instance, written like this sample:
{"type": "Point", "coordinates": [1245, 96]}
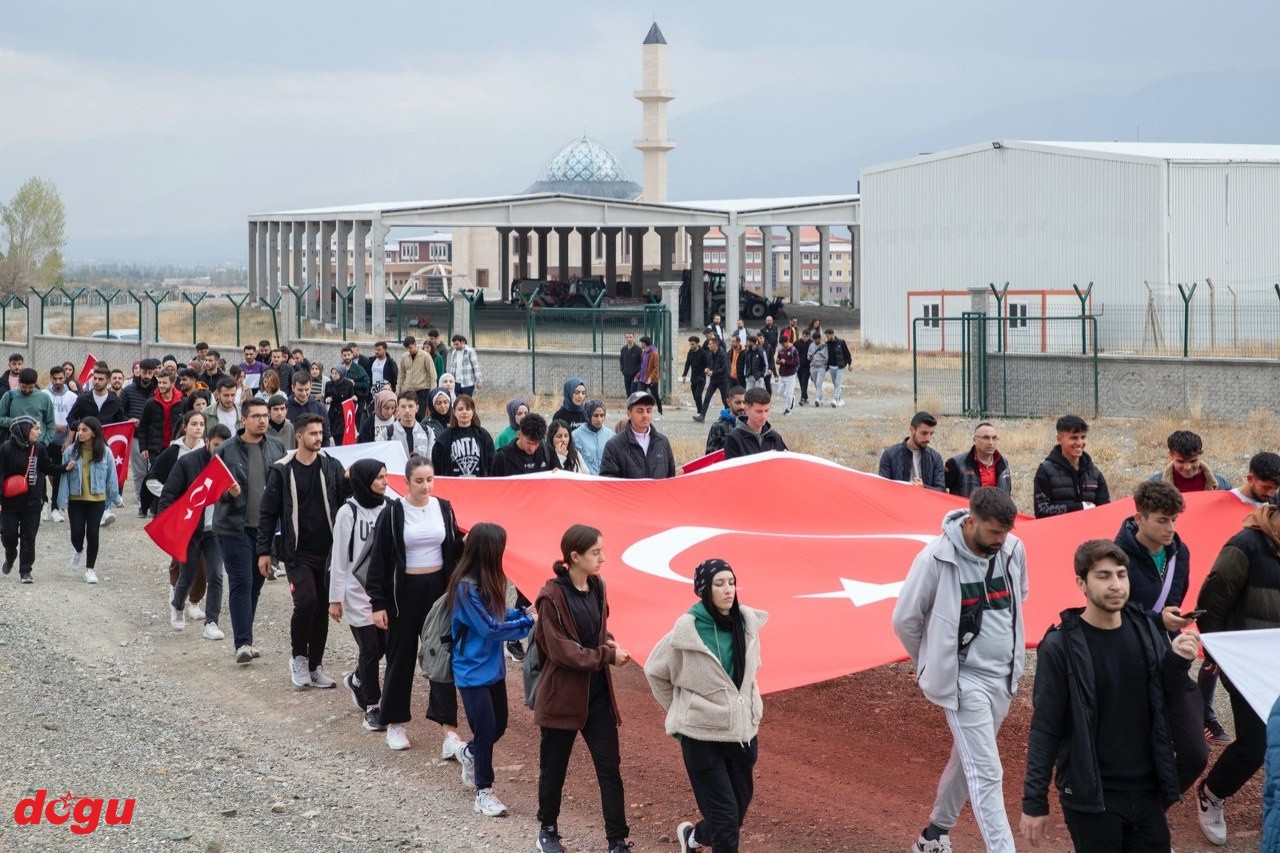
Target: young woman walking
{"type": "Point", "coordinates": [24, 466]}
{"type": "Point", "coordinates": [190, 438]}
{"type": "Point", "coordinates": [416, 544]}
{"type": "Point", "coordinates": [481, 623]}
{"type": "Point", "coordinates": [572, 411]}
{"type": "Point", "coordinates": [576, 691]}
{"type": "Point", "coordinates": [564, 452]}
{"type": "Point", "coordinates": [353, 528]}
{"type": "Point", "coordinates": [703, 674]}
{"type": "Point", "coordinates": [465, 449]}
{"type": "Point", "coordinates": [437, 420]}
{"type": "Point", "coordinates": [87, 487]}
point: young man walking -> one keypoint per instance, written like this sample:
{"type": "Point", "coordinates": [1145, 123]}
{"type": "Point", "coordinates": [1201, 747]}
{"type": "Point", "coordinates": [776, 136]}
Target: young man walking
{"type": "Point", "coordinates": [788, 360]}
{"type": "Point", "coordinates": [1105, 677]}
{"type": "Point", "coordinates": [1067, 480]}
{"type": "Point", "coordinates": [912, 460]}
{"type": "Point", "coordinates": [417, 373]}
{"type": "Point", "coordinates": [629, 363]}
{"type": "Point", "coordinates": [753, 433]}
{"type": "Point", "coordinates": [695, 366]}
{"type": "Point", "coordinates": [302, 495]}
{"type": "Point", "coordinates": [838, 360]}
{"type": "Point", "coordinates": [639, 452]}
{"type": "Point", "coordinates": [959, 616]}
{"type": "Point", "coordinates": [464, 364]}
{"type": "Point", "coordinates": [717, 373]}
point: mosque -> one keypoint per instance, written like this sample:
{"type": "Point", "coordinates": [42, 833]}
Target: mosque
{"type": "Point", "coordinates": [583, 216]}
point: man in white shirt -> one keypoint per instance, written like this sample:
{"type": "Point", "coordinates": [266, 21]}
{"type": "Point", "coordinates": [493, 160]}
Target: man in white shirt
{"type": "Point", "coordinates": [225, 410]}
{"type": "Point", "coordinates": [63, 399]}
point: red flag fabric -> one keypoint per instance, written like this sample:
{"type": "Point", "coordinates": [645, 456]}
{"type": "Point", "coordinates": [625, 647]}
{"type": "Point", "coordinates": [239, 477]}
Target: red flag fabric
{"type": "Point", "coordinates": [172, 529]}
{"type": "Point", "coordinates": [348, 422]}
{"type": "Point", "coordinates": [702, 462]}
{"type": "Point", "coordinates": [86, 372]}
{"type": "Point", "coordinates": [828, 572]}
{"type": "Point", "coordinates": [119, 437]}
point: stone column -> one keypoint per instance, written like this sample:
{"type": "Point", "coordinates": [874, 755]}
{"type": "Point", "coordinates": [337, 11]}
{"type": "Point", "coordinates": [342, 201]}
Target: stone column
{"type": "Point", "coordinates": [855, 265]}
{"type": "Point", "coordinates": [795, 263]}
{"type": "Point", "coordinates": [542, 253]}
{"type": "Point", "coordinates": [671, 299]}
{"type": "Point", "coordinates": [523, 252]}
{"type": "Point", "coordinates": [732, 275]}
{"type": "Point", "coordinates": [586, 248]}
{"type": "Point", "coordinates": [562, 253]}
{"type": "Point", "coordinates": [264, 260]}
{"type": "Point", "coordinates": [461, 309]}
{"type": "Point", "coordinates": [697, 288]}
{"type": "Point", "coordinates": [274, 260]}
{"type": "Point", "coordinates": [824, 264]}
{"type": "Point", "coordinates": [299, 251]}
{"type": "Point", "coordinates": [378, 287]}
{"type": "Point", "coordinates": [360, 299]}
{"type": "Point", "coordinates": [504, 263]}
{"type": "Point", "coordinates": [611, 256]}
{"type": "Point", "coordinates": [766, 261]}
{"type": "Point", "coordinates": [666, 248]}
{"type": "Point", "coordinates": [637, 259]}
{"type": "Point", "coordinates": [327, 230]}
{"type": "Point", "coordinates": [343, 272]}
{"type": "Point", "coordinates": [309, 277]}
{"type": "Point", "coordinates": [253, 263]}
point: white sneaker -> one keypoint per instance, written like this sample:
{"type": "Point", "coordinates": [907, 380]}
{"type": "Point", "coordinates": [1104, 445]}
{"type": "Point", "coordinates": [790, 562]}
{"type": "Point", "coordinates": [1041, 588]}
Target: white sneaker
{"type": "Point", "coordinates": [448, 752]}
{"type": "Point", "coordinates": [56, 516]}
{"type": "Point", "coordinates": [253, 652]}
{"type": "Point", "coordinates": [244, 654]}
{"type": "Point", "coordinates": [45, 513]}
{"type": "Point", "coordinates": [488, 804]}
{"type": "Point", "coordinates": [75, 561]}
{"type": "Point", "coordinates": [90, 576]}
{"type": "Point", "coordinates": [941, 844]}
{"type": "Point", "coordinates": [840, 403]}
{"type": "Point", "coordinates": [396, 737]}
{"type": "Point", "coordinates": [300, 671]}
{"type": "Point", "coordinates": [213, 632]}
{"type": "Point", "coordinates": [1212, 822]}
{"type": "Point", "coordinates": [108, 519]}
{"type": "Point", "coordinates": [176, 619]}
{"type": "Point", "coordinates": [320, 679]}
{"type": "Point", "coordinates": [194, 613]}
{"type": "Point", "coordinates": [463, 755]}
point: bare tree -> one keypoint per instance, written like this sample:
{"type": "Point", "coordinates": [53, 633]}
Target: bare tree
{"type": "Point", "coordinates": [33, 232]}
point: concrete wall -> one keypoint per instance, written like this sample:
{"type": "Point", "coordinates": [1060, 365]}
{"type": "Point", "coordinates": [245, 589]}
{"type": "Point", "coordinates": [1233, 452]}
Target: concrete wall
{"type": "Point", "coordinates": [1133, 386]}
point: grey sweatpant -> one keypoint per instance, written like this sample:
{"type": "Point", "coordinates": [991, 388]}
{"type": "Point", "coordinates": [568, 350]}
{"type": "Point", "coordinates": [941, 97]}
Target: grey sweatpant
{"type": "Point", "coordinates": [974, 771]}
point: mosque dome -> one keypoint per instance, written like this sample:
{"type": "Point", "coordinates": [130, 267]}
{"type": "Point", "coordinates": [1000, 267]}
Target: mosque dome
{"type": "Point", "coordinates": [585, 167]}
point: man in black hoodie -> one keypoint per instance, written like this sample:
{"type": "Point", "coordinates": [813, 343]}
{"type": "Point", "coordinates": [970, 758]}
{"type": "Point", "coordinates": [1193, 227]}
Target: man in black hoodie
{"type": "Point", "coordinates": [1105, 680]}
{"type": "Point", "coordinates": [528, 453]}
{"type": "Point", "coordinates": [1067, 480]}
{"type": "Point", "coordinates": [753, 433]}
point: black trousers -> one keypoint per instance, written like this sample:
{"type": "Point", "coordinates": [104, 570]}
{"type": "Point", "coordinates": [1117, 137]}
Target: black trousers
{"type": "Point", "coordinates": [696, 386]}
{"type": "Point", "coordinates": [372, 644]}
{"type": "Point", "coordinates": [487, 716]}
{"type": "Point", "coordinates": [1186, 729]}
{"type": "Point", "coordinates": [85, 520]}
{"type": "Point", "coordinates": [18, 533]}
{"type": "Point", "coordinates": [416, 595]}
{"type": "Point", "coordinates": [1243, 757]}
{"type": "Point", "coordinates": [720, 774]}
{"type": "Point", "coordinates": [652, 388]}
{"type": "Point", "coordinates": [1134, 822]}
{"type": "Point", "coordinates": [802, 377]}
{"type": "Point", "coordinates": [712, 388]}
{"type": "Point", "coordinates": [601, 737]}
{"type": "Point", "coordinates": [309, 625]}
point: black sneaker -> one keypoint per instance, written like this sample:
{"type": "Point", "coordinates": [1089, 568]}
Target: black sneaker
{"type": "Point", "coordinates": [142, 513]}
{"type": "Point", "coordinates": [371, 722]}
{"type": "Point", "coordinates": [621, 846]}
{"type": "Point", "coordinates": [7, 567]}
{"type": "Point", "coordinates": [699, 418]}
{"type": "Point", "coordinates": [684, 834]}
{"type": "Point", "coordinates": [1215, 734]}
{"type": "Point", "coordinates": [515, 651]}
{"type": "Point", "coordinates": [549, 840]}
{"type": "Point", "coordinates": [25, 577]}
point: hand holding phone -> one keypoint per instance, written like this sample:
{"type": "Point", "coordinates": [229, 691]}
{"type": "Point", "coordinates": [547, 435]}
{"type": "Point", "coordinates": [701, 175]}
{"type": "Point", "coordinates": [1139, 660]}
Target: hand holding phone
{"type": "Point", "coordinates": [1193, 614]}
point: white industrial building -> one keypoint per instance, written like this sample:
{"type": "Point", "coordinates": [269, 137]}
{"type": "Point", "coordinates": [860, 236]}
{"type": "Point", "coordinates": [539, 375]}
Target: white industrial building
{"type": "Point", "coordinates": [1043, 216]}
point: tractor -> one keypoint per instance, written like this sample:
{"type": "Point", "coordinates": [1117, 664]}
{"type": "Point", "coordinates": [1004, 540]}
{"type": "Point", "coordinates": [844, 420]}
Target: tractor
{"type": "Point", "coordinates": [752, 306]}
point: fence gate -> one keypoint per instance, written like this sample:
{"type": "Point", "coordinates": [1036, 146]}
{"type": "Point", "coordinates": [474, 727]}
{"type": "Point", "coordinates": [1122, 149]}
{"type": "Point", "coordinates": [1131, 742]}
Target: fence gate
{"type": "Point", "coordinates": [564, 342]}
{"type": "Point", "coordinates": [1005, 366]}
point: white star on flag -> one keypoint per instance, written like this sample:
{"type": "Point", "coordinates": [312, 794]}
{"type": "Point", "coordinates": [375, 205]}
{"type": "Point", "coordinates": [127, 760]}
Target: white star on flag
{"type": "Point", "coordinates": [861, 593]}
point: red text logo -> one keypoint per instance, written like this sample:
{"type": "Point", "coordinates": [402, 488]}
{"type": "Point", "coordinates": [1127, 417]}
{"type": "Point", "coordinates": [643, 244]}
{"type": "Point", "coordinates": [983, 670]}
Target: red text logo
{"type": "Point", "coordinates": [83, 813]}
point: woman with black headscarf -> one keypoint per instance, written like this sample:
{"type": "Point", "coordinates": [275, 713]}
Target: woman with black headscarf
{"type": "Point", "coordinates": [517, 408]}
{"type": "Point", "coordinates": [572, 411]}
{"type": "Point", "coordinates": [23, 459]}
{"type": "Point", "coordinates": [703, 674]}
{"type": "Point", "coordinates": [437, 418]}
{"type": "Point", "coordinates": [348, 566]}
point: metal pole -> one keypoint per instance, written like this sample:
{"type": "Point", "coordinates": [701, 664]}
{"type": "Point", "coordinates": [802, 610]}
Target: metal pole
{"type": "Point", "coordinates": [194, 304]}
{"type": "Point", "coordinates": [238, 306]}
{"type": "Point", "coordinates": [72, 297]}
{"type": "Point", "coordinates": [1186, 315]}
{"type": "Point", "coordinates": [1084, 300]}
{"type": "Point", "coordinates": [999, 294]}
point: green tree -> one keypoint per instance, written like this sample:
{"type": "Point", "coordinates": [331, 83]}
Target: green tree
{"type": "Point", "coordinates": [33, 231]}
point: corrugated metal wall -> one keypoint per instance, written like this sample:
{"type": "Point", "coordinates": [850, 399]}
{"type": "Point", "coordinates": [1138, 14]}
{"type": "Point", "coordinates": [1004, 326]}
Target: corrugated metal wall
{"type": "Point", "coordinates": [1038, 220]}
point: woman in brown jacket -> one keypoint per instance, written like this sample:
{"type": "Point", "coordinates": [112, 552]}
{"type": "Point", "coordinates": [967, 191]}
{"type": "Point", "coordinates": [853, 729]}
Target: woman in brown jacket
{"type": "Point", "coordinates": [575, 693]}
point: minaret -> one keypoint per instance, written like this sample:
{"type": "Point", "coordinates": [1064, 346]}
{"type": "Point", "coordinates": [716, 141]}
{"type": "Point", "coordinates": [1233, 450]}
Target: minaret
{"type": "Point", "coordinates": [655, 96]}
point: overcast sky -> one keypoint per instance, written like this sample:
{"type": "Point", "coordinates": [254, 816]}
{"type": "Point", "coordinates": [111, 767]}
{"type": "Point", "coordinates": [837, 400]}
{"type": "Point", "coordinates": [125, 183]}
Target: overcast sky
{"type": "Point", "coordinates": [164, 124]}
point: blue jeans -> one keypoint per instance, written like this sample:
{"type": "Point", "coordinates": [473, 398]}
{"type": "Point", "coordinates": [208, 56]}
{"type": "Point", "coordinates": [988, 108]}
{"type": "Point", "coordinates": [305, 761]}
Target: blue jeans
{"type": "Point", "coordinates": [486, 709]}
{"type": "Point", "coordinates": [818, 375]}
{"type": "Point", "coordinates": [202, 545]}
{"type": "Point", "coordinates": [244, 582]}
{"type": "Point", "coordinates": [837, 376]}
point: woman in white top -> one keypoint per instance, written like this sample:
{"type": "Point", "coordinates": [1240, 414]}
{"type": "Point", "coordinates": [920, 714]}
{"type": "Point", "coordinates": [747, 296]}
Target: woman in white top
{"type": "Point", "coordinates": [564, 452]}
{"type": "Point", "coordinates": [353, 528]}
{"type": "Point", "coordinates": [415, 546]}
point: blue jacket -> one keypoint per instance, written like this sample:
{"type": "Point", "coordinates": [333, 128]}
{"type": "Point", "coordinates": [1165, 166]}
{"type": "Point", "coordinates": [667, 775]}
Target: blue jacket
{"type": "Point", "coordinates": [1271, 786]}
{"type": "Point", "coordinates": [590, 444]}
{"type": "Point", "coordinates": [477, 659]}
{"type": "Point", "coordinates": [102, 477]}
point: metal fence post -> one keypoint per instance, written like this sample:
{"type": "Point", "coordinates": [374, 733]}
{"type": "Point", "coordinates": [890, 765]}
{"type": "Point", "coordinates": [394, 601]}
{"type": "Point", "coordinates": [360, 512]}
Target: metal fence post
{"type": "Point", "coordinates": [343, 295]}
{"type": "Point", "coordinates": [915, 361]}
{"type": "Point", "coordinates": [107, 299]}
{"type": "Point", "coordinates": [1000, 295]}
{"type": "Point", "coordinates": [72, 297]}
{"type": "Point", "coordinates": [1186, 315]}
{"type": "Point", "coordinates": [275, 314]}
{"type": "Point", "coordinates": [531, 334]}
{"type": "Point", "coordinates": [194, 303]}
{"type": "Point", "coordinates": [399, 298]}
{"type": "Point", "coordinates": [155, 301]}
{"type": "Point", "coordinates": [238, 306]}
{"type": "Point", "coordinates": [43, 297]}
{"type": "Point", "coordinates": [471, 294]}
{"type": "Point", "coordinates": [299, 296]}
{"type": "Point", "coordinates": [1084, 301]}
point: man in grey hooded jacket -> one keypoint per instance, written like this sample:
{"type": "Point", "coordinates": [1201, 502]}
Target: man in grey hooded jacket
{"type": "Point", "coordinates": [959, 616]}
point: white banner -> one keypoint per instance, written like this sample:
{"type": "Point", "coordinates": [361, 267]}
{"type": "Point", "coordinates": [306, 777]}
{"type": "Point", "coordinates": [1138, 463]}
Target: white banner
{"type": "Point", "coordinates": [389, 453]}
{"type": "Point", "coordinates": [1248, 658]}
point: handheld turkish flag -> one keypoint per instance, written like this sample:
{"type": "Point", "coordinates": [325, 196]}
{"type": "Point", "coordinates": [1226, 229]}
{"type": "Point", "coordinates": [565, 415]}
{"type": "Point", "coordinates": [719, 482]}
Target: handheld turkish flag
{"type": "Point", "coordinates": [828, 572]}
{"type": "Point", "coordinates": [348, 421]}
{"type": "Point", "coordinates": [172, 529]}
{"type": "Point", "coordinates": [702, 462]}
{"type": "Point", "coordinates": [119, 437]}
{"type": "Point", "coordinates": [86, 372]}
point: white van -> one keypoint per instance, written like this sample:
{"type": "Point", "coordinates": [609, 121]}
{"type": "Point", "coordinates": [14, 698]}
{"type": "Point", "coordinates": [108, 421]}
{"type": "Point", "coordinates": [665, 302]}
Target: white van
{"type": "Point", "coordinates": [116, 335]}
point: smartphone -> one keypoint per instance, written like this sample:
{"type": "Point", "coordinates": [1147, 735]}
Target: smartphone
{"type": "Point", "coordinates": [1193, 614]}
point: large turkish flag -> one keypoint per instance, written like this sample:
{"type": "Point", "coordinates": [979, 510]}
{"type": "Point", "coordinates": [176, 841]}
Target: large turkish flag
{"type": "Point", "coordinates": [119, 437]}
{"type": "Point", "coordinates": [173, 528]}
{"type": "Point", "coordinates": [825, 557]}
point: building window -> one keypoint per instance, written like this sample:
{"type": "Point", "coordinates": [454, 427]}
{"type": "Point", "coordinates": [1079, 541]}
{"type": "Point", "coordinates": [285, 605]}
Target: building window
{"type": "Point", "coordinates": [439, 251]}
{"type": "Point", "coordinates": [837, 273]}
{"type": "Point", "coordinates": [786, 257]}
{"type": "Point", "coordinates": [706, 257]}
{"type": "Point", "coordinates": [931, 312]}
{"type": "Point", "coordinates": [804, 274]}
{"type": "Point", "coordinates": [1018, 315]}
{"type": "Point", "coordinates": [786, 272]}
{"type": "Point", "coordinates": [408, 251]}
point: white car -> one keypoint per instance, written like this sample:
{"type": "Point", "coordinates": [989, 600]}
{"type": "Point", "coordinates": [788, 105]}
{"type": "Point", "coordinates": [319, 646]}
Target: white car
{"type": "Point", "coordinates": [116, 335]}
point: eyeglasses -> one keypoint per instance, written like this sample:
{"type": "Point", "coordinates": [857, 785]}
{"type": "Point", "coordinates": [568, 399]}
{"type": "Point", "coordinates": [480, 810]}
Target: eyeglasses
{"type": "Point", "coordinates": [257, 416]}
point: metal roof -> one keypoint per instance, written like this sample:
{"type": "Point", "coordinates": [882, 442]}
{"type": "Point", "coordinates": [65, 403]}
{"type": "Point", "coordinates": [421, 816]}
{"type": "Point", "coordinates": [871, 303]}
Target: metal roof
{"type": "Point", "coordinates": [1138, 152]}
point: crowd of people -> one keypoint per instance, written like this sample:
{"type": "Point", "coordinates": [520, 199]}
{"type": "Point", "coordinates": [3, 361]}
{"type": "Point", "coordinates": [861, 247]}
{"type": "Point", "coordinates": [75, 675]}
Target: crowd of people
{"type": "Point", "coordinates": [1118, 726]}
